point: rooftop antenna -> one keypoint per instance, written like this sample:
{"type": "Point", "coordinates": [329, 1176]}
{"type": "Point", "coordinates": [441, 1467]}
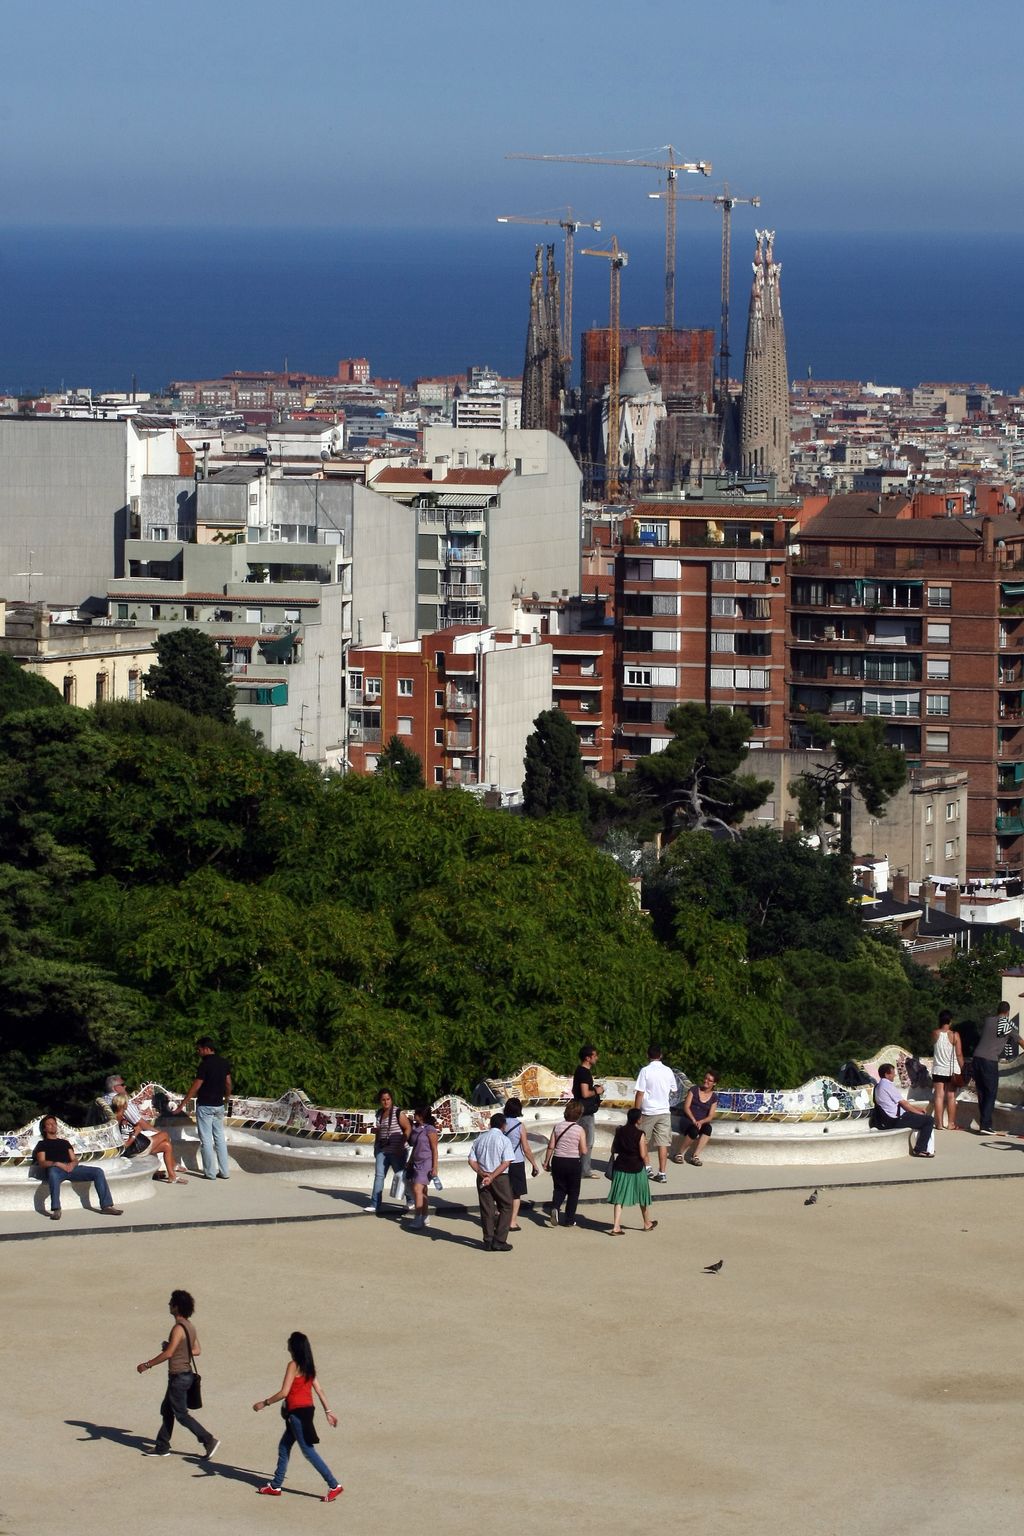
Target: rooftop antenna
{"type": "Point", "coordinates": [30, 572]}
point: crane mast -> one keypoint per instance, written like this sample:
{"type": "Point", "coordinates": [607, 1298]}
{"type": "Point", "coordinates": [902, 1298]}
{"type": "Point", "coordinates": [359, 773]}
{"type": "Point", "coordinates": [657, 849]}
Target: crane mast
{"type": "Point", "coordinates": [617, 260]}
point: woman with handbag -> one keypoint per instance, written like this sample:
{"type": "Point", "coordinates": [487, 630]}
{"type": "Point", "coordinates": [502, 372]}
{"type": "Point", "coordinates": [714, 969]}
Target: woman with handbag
{"type": "Point", "coordinates": [296, 1394]}
{"type": "Point", "coordinates": [140, 1136]}
{"type": "Point", "coordinates": [947, 1070]}
{"type": "Point", "coordinates": [183, 1381]}
{"type": "Point", "coordinates": [566, 1149]}
{"type": "Point", "coordinates": [391, 1132]}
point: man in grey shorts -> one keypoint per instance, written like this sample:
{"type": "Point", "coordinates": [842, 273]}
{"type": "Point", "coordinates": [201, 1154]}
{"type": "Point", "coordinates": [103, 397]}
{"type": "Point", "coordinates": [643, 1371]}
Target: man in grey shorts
{"type": "Point", "coordinates": [655, 1085]}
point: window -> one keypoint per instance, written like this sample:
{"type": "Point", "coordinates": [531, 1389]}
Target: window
{"type": "Point", "coordinates": [355, 682]}
{"type": "Point", "coordinates": [929, 814]}
{"type": "Point", "coordinates": [373, 687]}
{"type": "Point", "coordinates": [723, 642]}
{"type": "Point", "coordinates": [69, 689]}
{"type": "Point", "coordinates": [940, 597]}
{"type": "Point", "coordinates": [638, 677]}
{"type": "Point", "coordinates": [937, 704]}
{"type": "Point", "coordinates": [724, 608]}
{"type": "Point", "coordinates": [721, 677]}
{"type": "Point", "coordinates": [439, 738]}
{"type": "Point", "coordinates": [102, 685]}
{"type": "Point", "coordinates": [134, 685]}
{"type": "Point", "coordinates": [439, 700]}
{"type": "Point", "coordinates": [254, 615]}
{"type": "Point", "coordinates": [938, 634]}
{"type": "Point", "coordinates": [936, 741]}
{"type": "Point", "coordinates": [664, 603]}
{"type": "Point", "coordinates": [154, 610]}
{"type": "Point", "coordinates": [160, 535]}
{"type": "Point", "coordinates": [122, 610]}
{"type": "Point", "coordinates": [928, 853]}
{"type": "Point", "coordinates": [405, 725]}
{"type": "Point", "coordinates": [938, 668]}
{"type": "Point", "coordinates": [665, 640]}
{"type": "Point", "coordinates": [438, 775]}
{"type": "Point", "coordinates": [949, 849]}
{"type": "Point", "coordinates": [439, 660]}
{"type": "Point", "coordinates": [952, 810]}
{"type": "Point", "coordinates": [190, 611]}
{"type": "Point", "coordinates": [292, 615]}
{"type": "Point", "coordinates": [405, 687]}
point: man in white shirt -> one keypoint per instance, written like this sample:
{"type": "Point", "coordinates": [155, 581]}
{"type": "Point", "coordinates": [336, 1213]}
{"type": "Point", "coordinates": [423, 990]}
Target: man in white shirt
{"type": "Point", "coordinates": [894, 1111]}
{"type": "Point", "coordinates": [655, 1086]}
{"type": "Point", "coordinates": [489, 1158]}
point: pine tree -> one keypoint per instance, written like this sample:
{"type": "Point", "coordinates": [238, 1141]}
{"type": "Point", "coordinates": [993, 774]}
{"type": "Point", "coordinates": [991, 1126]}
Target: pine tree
{"type": "Point", "coordinates": [189, 673]}
{"type": "Point", "coordinates": [555, 783]}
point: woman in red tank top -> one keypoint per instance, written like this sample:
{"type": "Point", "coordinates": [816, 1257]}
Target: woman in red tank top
{"type": "Point", "coordinates": [300, 1382]}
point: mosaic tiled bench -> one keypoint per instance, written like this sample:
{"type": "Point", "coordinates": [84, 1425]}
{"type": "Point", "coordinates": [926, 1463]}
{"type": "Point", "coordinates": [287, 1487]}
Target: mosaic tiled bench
{"type": "Point", "coordinates": [21, 1188]}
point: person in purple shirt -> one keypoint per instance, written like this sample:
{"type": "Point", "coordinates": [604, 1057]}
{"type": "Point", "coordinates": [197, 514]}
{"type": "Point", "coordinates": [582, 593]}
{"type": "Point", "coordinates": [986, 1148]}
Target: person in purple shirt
{"type": "Point", "coordinates": [892, 1111]}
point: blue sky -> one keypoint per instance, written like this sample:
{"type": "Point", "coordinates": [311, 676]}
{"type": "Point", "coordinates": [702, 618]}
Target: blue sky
{"type": "Point", "coordinates": [874, 114]}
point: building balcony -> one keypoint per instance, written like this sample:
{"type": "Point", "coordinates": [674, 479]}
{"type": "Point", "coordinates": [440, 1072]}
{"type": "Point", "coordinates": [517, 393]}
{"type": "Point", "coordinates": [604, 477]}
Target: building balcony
{"type": "Point", "coordinates": [461, 699]}
{"type": "Point", "coordinates": [1010, 825]}
{"type": "Point", "coordinates": [462, 591]}
{"type": "Point", "coordinates": [464, 777]}
{"type": "Point", "coordinates": [364, 735]}
{"type": "Point", "coordinates": [463, 555]}
{"type": "Point", "coordinates": [459, 741]}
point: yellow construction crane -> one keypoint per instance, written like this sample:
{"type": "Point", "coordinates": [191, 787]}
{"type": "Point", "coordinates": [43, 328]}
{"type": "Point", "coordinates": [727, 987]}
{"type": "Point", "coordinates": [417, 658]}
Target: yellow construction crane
{"type": "Point", "coordinates": [618, 260]}
{"type": "Point", "coordinates": [672, 168]}
{"type": "Point", "coordinates": [569, 225]}
{"type": "Point", "coordinates": [727, 202]}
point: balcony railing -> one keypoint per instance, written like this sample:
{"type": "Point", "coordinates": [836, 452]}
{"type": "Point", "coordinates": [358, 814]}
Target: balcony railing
{"type": "Point", "coordinates": [461, 698]}
{"type": "Point", "coordinates": [1011, 824]}
{"type": "Point", "coordinates": [459, 741]}
{"type": "Point", "coordinates": [365, 735]}
{"type": "Point", "coordinates": [462, 591]}
{"type": "Point", "coordinates": [460, 776]}
{"type": "Point", "coordinates": [463, 554]}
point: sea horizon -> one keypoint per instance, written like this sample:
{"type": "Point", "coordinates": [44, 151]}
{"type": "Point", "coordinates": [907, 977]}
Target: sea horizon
{"type": "Point", "coordinates": [93, 306]}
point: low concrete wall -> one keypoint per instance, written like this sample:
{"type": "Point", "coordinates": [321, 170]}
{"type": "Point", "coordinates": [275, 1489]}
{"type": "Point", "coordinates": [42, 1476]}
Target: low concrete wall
{"type": "Point", "coordinates": [129, 1180]}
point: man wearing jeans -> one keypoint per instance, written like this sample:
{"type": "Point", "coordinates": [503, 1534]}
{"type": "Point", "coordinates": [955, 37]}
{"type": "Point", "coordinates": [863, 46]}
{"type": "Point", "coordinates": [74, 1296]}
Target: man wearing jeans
{"type": "Point", "coordinates": [57, 1160]}
{"type": "Point", "coordinates": [584, 1088]}
{"type": "Point", "coordinates": [997, 1032]}
{"type": "Point", "coordinates": [211, 1089]}
{"type": "Point", "coordinates": [895, 1112]}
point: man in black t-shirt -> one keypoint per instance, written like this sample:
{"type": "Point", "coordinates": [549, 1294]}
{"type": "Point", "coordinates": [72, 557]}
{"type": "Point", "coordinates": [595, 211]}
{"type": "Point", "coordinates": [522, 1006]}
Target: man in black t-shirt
{"type": "Point", "coordinates": [211, 1088]}
{"type": "Point", "coordinates": [58, 1161]}
{"type": "Point", "coordinates": [583, 1088]}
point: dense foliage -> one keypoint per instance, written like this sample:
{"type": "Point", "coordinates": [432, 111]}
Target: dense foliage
{"type": "Point", "coordinates": [189, 672]}
{"type": "Point", "coordinates": [163, 876]}
{"type": "Point", "coordinates": [554, 783]}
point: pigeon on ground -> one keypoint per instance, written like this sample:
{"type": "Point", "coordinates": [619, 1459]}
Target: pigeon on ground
{"type": "Point", "coordinates": [712, 1269]}
{"type": "Point", "coordinates": [812, 1199]}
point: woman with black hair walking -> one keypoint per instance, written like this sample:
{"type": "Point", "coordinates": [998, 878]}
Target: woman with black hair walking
{"type": "Point", "coordinates": [300, 1382]}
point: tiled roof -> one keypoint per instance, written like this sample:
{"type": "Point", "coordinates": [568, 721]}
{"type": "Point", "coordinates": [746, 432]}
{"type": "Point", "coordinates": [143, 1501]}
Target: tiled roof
{"type": "Point", "coordinates": [422, 478]}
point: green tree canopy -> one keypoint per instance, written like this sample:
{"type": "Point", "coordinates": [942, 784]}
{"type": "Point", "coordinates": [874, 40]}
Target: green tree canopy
{"type": "Point", "coordinates": [864, 763]}
{"type": "Point", "coordinates": [400, 766]}
{"type": "Point", "coordinates": [555, 783]}
{"type": "Point", "coordinates": [24, 690]}
{"type": "Point", "coordinates": [695, 782]}
{"type": "Point", "coordinates": [189, 673]}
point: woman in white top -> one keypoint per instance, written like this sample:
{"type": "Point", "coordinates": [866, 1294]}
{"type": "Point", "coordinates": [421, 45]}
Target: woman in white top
{"type": "Point", "coordinates": [947, 1067]}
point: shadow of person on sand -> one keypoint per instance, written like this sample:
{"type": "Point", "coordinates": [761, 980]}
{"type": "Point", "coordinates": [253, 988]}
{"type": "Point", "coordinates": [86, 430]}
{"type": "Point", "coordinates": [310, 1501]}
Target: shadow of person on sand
{"type": "Point", "coordinates": [125, 1437]}
{"type": "Point", "coordinates": [353, 1197]}
{"type": "Point", "coordinates": [217, 1468]}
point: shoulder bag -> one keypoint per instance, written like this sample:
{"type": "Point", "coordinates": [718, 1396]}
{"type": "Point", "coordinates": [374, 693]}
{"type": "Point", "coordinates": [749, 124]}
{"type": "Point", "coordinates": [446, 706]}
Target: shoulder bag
{"type": "Point", "coordinates": [135, 1148]}
{"type": "Point", "coordinates": [194, 1395]}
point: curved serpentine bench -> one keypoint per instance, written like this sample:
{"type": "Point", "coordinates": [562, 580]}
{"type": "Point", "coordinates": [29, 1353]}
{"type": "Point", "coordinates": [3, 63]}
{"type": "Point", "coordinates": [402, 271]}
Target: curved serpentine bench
{"type": "Point", "coordinates": [130, 1180]}
{"type": "Point", "coordinates": [810, 1142]}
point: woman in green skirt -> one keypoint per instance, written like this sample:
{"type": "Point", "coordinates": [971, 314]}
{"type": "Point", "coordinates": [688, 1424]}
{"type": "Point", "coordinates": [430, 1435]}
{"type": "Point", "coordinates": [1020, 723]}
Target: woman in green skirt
{"type": "Point", "coordinates": [630, 1184]}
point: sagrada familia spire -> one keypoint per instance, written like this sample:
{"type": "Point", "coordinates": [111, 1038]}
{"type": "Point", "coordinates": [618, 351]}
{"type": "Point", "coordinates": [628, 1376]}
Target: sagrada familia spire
{"type": "Point", "coordinates": [764, 428]}
{"type": "Point", "coordinates": [543, 379]}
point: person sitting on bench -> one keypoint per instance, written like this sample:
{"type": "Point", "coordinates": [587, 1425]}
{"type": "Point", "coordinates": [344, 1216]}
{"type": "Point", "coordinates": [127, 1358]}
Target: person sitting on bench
{"type": "Point", "coordinates": [892, 1112]}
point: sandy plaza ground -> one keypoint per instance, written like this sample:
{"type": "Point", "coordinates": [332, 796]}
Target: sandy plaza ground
{"type": "Point", "coordinates": [853, 1368]}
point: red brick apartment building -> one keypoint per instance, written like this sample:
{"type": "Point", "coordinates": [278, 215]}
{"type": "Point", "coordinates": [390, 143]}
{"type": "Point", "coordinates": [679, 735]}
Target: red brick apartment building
{"type": "Point", "coordinates": [700, 616]}
{"type": "Point", "coordinates": [463, 699]}
{"type": "Point", "coordinates": [919, 620]}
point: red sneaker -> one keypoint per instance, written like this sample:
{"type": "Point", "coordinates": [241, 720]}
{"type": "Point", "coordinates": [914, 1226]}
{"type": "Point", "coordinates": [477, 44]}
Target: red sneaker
{"type": "Point", "coordinates": [275, 1493]}
{"type": "Point", "coordinates": [332, 1494]}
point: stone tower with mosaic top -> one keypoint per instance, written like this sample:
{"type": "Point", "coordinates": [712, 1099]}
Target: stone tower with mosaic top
{"type": "Point", "coordinates": [764, 426]}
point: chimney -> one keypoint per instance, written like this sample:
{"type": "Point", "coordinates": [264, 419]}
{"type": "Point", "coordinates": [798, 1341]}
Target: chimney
{"type": "Point", "coordinates": [927, 894]}
{"type": "Point", "coordinates": [988, 537]}
{"type": "Point", "coordinates": [901, 888]}
{"type": "Point", "coordinates": [952, 901]}
{"type": "Point", "coordinates": [867, 881]}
